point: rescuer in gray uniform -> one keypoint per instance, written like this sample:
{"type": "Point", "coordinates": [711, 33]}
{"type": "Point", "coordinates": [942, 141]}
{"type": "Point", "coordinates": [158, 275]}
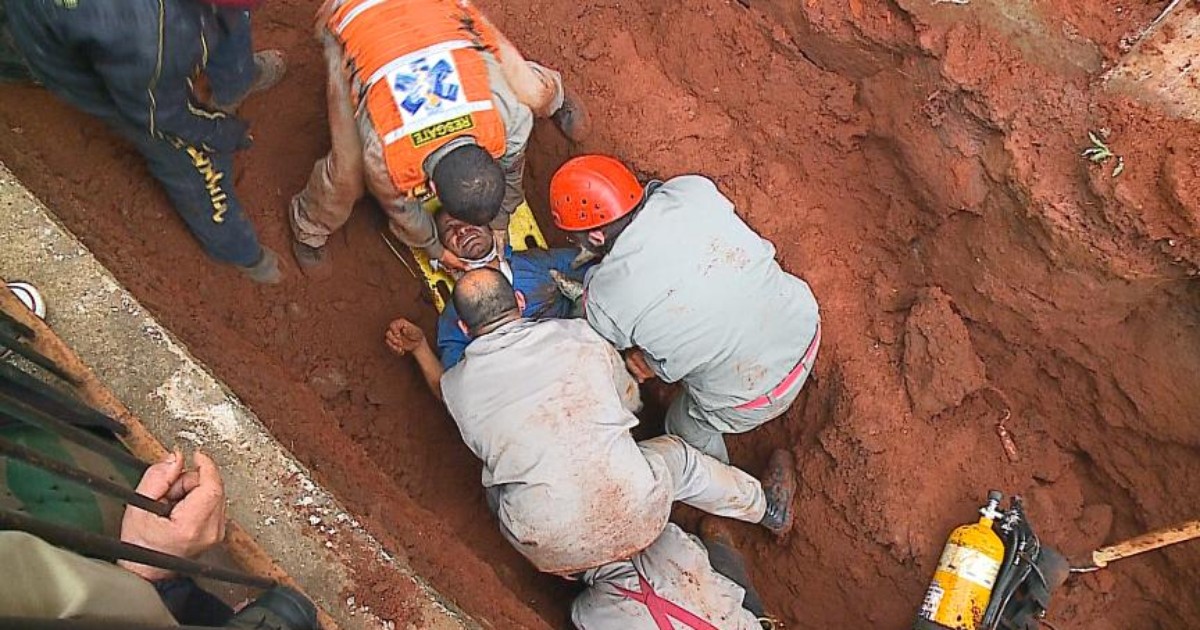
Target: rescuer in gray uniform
{"type": "Point", "coordinates": [547, 407]}
{"type": "Point", "coordinates": [691, 294]}
{"type": "Point", "coordinates": [677, 582]}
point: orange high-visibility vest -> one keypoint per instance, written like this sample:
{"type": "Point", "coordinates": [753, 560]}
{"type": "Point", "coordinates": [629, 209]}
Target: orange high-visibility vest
{"type": "Point", "coordinates": [423, 77]}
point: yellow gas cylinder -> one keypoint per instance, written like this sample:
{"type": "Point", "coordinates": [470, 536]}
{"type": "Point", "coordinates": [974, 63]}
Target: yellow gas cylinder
{"type": "Point", "coordinates": [965, 575]}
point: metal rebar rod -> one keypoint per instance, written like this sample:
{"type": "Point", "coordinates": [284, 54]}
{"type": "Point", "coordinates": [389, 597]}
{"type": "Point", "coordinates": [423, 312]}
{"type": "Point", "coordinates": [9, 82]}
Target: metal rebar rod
{"type": "Point", "coordinates": [13, 343]}
{"type": "Point", "coordinates": [111, 549]}
{"type": "Point", "coordinates": [83, 477]}
{"type": "Point", "coordinates": [20, 328]}
{"type": "Point", "coordinates": [22, 412]}
{"type": "Point", "coordinates": [41, 394]}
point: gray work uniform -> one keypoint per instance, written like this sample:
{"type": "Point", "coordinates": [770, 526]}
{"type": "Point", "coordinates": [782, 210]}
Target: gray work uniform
{"type": "Point", "coordinates": [547, 406]}
{"type": "Point", "coordinates": [678, 570]}
{"type": "Point", "coordinates": [701, 294]}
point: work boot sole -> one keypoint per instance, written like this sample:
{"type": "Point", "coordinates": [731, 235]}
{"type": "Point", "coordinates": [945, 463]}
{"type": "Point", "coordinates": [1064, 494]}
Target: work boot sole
{"type": "Point", "coordinates": [779, 486]}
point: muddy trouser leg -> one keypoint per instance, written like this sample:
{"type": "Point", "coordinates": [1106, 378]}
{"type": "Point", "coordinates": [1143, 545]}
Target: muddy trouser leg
{"type": "Point", "coordinates": [705, 428]}
{"type": "Point", "coordinates": [703, 482]}
{"type": "Point", "coordinates": [336, 182]}
{"type": "Point", "coordinates": [230, 68]}
{"type": "Point", "coordinates": [686, 419]}
{"type": "Point", "coordinates": [200, 187]}
{"type": "Point", "coordinates": [729, 562]}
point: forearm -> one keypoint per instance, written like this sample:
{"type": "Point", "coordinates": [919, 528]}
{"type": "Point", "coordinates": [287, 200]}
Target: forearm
{"type": "Point", "coordinates": [431, 368]}
{"type": "Point", "coordinates": [514, 192]}
{"type": "Point", "coordinates": [413, 226]}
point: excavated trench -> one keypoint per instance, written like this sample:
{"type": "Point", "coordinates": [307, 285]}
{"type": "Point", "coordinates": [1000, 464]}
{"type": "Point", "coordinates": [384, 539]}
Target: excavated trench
{"type": "Point", "coordinates": [918, 163]}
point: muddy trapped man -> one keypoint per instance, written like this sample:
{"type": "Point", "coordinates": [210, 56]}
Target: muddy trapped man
{"type": "Point", "coordinates": [691, 294]}
{"type": "Point", "coordinates": [132, 63]}
{"type": "Point", "coordinates": [425, 98]}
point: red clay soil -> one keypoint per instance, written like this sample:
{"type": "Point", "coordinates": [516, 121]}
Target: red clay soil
{"type": "Point", "coordinates": [917, 162]}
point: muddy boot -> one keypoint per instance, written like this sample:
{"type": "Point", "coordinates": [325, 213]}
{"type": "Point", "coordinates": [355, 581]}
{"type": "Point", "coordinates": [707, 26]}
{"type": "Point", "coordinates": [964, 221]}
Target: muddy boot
{"type": "Point", "coordinates": [266, 270]}
{"type": "Point", "coordinates": [779, 484]}
{"type": "Point", "coordinates": [314, 261]}
{"type": "Point", "coordinates": [269, 68]}
{"type": "Point", "coordinates": [572, 118]}
{"type": "Point", "coordinates": [280, 608]}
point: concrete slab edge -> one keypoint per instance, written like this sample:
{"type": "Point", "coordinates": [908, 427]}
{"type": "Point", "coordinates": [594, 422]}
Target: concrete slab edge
{"type": "Point", "coordinates": [273, 496]}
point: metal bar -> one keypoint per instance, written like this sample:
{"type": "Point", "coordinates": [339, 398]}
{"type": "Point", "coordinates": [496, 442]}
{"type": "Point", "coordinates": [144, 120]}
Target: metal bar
{"type": "Point", "coordinates": [22, 412]}
{"type": "Point", "coordinates": [31, 355]}
{"type": "Point", "coordinates": [111, 549]}
{"type": "Point", "coordinates": [83, 477]}
{"type": "Point", "coordinates": [21, 329]}
{"type": "Point", "coordinates": [11, 377]}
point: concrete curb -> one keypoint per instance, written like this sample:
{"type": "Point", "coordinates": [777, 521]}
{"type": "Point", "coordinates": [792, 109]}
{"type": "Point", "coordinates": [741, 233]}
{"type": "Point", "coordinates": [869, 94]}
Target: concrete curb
{"type": "Point", "coordinates": [272, 495]}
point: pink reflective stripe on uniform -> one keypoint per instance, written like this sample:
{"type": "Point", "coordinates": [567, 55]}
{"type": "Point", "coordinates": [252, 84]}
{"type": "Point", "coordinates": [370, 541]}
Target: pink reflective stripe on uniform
{"type": "Point", "coordinates": [662, 611]}
{"type": "Point", "coordinates": [790, 379]}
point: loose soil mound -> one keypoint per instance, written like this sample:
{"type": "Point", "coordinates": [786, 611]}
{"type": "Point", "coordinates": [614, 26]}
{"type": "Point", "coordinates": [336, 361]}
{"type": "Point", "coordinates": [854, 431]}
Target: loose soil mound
{"type": "Point", "coordinates": [918, 163]}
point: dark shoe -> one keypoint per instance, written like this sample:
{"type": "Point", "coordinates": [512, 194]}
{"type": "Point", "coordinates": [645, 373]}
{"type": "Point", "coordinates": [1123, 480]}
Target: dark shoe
{"type": "Point", "coordinates": [779, 484]}
{"type": "Point", "coordinates": [266, 270]}
{"type": "Point", "coordinates": [280, 608]}
{"type": "Point", "coordinates": [314, 261]}
{"type": "Point", "coordinates": [269, 68]}
{"type": "Point", "coordinates": [572, 118]}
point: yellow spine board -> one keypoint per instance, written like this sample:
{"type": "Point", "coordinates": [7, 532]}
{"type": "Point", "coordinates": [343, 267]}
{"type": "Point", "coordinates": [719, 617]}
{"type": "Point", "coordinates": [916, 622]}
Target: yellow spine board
{"type": "Point", "coordinates": [966, 573]}
{"type": "Point", "coordinates": [522, 228]}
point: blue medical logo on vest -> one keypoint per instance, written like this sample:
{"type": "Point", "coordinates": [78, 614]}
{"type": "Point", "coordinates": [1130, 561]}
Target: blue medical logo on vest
{"type": "Point", "coordinates": [428, 85]}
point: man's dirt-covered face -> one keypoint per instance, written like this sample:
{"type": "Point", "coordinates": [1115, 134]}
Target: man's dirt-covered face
{"type": "Point", "coordinates": [467, 241]}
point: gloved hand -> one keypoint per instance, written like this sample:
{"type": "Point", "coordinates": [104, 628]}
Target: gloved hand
{"type": "Point", "coordinates": [570, 288]}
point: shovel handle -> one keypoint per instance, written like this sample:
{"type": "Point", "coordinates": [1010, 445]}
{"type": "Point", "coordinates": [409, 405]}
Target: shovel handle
{"type": "Point", "coordinates": [1146, 542]}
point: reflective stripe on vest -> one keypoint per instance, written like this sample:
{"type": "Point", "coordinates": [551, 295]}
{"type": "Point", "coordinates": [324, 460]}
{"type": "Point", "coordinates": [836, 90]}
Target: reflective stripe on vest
{"type": "Point", "coordinates": [662, 611]}
{"type": "Point", "coordinates": [423, 79]}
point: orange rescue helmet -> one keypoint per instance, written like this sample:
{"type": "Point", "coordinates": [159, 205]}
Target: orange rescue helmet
{"type": "Point", "coordinates": [591, 191]}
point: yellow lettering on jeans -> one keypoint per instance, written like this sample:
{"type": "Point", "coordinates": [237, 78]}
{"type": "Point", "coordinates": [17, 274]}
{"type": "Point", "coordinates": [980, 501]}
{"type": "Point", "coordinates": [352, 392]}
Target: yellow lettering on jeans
{"type": "Point", "coordinates": [212, 183]}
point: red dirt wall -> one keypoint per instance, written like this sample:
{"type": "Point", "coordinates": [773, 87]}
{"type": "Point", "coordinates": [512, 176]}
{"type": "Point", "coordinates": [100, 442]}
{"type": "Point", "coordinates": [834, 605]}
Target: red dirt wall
{"type": "Point", "coordinates": [917, 163]}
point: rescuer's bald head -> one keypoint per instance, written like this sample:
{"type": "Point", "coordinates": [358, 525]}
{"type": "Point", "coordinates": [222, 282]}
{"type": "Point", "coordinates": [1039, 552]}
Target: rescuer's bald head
{"type": "Point", "coordinates": [483, 298]}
